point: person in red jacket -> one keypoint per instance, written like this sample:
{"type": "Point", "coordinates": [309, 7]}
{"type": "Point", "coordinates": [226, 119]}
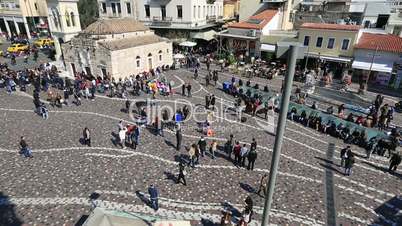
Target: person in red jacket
{"type": "Point", "coordinates": [236, 151]}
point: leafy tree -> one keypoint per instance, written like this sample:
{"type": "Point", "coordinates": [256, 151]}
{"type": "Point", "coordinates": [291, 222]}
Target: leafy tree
{"type": "Point", "coordinates": [89, 12]}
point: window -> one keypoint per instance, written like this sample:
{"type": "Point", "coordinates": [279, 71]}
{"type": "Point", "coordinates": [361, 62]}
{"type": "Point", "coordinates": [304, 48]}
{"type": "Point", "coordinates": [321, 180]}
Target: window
{"type": "Point", "coordinates": [179, 11]}
{"type": "Point", "coordinates": [118, 8]}
{"type": "Point", "coordinates": [36, 6]}
{"type": "Point", "coordinates": [67, 19]}
{"type": "Point", "coordinates": [138, 61]}
{"type": "Point", "coordinates": [306, 40]}
{"type": "Point", "coordinates": [345, 44]}
{"type": "Point", "coordinates": [163, 12]}
{"type": "Point", "coordinates": [167, 50]}
{"type": "Point", "coordinates": [331, 43]}
{"type": "Point", "coordinates": [72, 19]}
{"type": "Point", "coordinates": [319, 42]}
{"type": "Point", "coordinates": [291, 17]}
{"type": "Point", "coordinates": [128, 6]}
{"type": "Point", "coordinates": [203, 11]}
{"type": "Point", "coordinates": [147, 11]}
{"type": "Point", "coordinates": [195, 11]}
{"type": "Point", "coordinates": [103, 7]}
{"type": "Point", "coordinates": [160, 55]}
{"type": "Point", "coordinates": [113, 5]}
{"type": "Point", "coordinates": [199, 11]}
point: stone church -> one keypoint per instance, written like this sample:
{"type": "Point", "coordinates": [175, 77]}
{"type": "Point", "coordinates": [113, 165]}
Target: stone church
{"type": "Point", "coordinates": [116, 48]}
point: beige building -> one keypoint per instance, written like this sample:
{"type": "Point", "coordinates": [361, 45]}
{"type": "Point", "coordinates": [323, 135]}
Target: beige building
{"type": "Point", "coordinates": [231, 9]}
{"type": "Point", "coordinates": [22, 16]}
{"type": "Point", "coordinates": [116, 48]}
{"type": "Point", "coordinates": [330, 42]}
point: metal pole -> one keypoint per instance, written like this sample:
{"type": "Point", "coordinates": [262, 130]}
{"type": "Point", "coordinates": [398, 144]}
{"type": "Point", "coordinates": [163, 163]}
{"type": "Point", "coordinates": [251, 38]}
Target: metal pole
{"type": "Point", "coordinates": [371, 67]}
{"type": "Point", "coordinates": [305, 65]}
{"type": "Point", "coordinates": [292, 56]}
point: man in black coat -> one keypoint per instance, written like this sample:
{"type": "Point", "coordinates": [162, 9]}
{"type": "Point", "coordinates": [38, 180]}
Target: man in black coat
{"type": "Point", "coordinates": [202, 145]}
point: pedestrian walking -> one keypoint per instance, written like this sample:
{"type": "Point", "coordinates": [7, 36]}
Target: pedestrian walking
{"type": "Point", "coordinates": [202, 145]}
{"type": "Point", "coordinates": [212, 101]}
{"type": "Point", "coordinates": [207, 101]}
{"type": "Point", "coordinates": [243, 155]}
{"type": "Point", "coordinates": [394, 161]}
{"type": "Point", "coordinates": [120, 126]}
{"type": "Point", "coordinates": [188, 89]}
{"type": "Point", "coordinates": [122, 138]}
{"type": "Point", "coordinates": [24, 149]}
{"type": "Point", "coordinates": [343, 156]}
{"type": "Point", "coordinates": [349, 162]}
{"type": "Point", "coordinates": [44, 111]}
{"type": "Point", "coordinates": [183, 89]}
{"type": "Point", "coordinates": [182, 174]}
{"type": "Point", "coordinates": [153, 196]}
{"type": "Point", "coordinates": [251, 157]}
{"type": "Point", "coordinates": [179, 137]}
{"type": "Point", "coordinates": [86, 136]}
{"type": "Point", "coordinates": [236, 152]}
{"type": "Point", "coordinates": [263, 185]}
{"type": "Point", "coordinates": [191, 155]}
{"type": "Point", "coordinates": [229, 146]}
{"type": "Point", "coordinates": [213, 148]}
{"type": "Point", "coordinates": [215, 77]}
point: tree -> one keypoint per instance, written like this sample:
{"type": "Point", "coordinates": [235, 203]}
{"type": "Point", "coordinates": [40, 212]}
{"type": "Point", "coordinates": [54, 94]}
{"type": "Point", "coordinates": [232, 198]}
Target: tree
{"type": "Point", "coordinates": [89, 12]}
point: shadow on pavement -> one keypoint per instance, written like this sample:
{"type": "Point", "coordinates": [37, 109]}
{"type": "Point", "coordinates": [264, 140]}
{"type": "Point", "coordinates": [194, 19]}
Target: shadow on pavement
{"type": "Point", "coordinates": [8, 215]}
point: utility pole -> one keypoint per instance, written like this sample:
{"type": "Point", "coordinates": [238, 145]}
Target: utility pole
{"type": "Point", "coordinates": [292, 57]}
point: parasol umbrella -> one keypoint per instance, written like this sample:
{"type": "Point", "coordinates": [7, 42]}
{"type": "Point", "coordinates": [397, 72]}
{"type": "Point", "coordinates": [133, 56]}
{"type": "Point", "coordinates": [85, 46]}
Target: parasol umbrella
{"type": "Point", "coordinates": [178, 56]}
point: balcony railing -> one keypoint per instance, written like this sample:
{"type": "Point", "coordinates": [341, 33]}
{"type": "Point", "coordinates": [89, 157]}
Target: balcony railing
{"type": "Point", "coordinates": [211, 18]}
{"type": "Point", "coordinates": [161, 21]}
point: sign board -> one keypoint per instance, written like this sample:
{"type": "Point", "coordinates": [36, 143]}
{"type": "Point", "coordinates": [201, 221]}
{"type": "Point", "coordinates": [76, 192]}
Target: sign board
{"type": "Point", "coordinates": [283, 47]}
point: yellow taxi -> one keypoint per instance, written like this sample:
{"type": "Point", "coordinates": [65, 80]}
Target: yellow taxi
{"type": "Point", "coordinates": [17, 47]}
{"type": "Point", "coordinates": [43, 41]}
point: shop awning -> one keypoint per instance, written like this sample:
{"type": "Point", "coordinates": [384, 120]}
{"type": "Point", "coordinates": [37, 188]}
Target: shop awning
{"type": "Point", "coordinates": [268, 48]}
{"type": "Point", "coordinates": [377, 66]}
{"type": "Point", "coordinates": [328, 58]}
{"type": "Point", "coordinates": [204, 35]}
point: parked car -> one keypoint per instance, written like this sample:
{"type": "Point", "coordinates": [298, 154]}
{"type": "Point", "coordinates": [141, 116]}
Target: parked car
{"type": "Point", "coordinates": [42, 42]}
{"type": "Point", "coordinates": [17, 47]}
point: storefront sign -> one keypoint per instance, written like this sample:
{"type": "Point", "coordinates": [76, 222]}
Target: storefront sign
{"type": "Point", "coordinates": [383, 78]}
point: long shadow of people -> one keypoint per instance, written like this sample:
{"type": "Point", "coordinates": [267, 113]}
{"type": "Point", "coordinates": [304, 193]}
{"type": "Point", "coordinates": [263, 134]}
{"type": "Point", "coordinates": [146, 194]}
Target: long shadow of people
{"type": "Point", "coordinates": [231, 208]}
{"type": "Point", "coordinates": [248, 188]}
{"type": "Point", "coordinates": [8, 215]}
{"type": "Point", "coordinates": [383, 169]}
{"type": "Point", "coordinates": [170, 176]}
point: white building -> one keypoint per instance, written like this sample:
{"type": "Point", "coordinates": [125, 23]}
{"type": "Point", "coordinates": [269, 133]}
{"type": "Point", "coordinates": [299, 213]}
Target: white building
{"type": "Point", "coordinates": [118, 8]}
{"type": "Point", "coordinates": [176, 16]}
{"type": "Point", "coordinates": [64, 22]}
{"type": "Point", "coordinates": [116, 48]}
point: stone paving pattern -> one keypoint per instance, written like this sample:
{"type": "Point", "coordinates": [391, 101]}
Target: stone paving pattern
{"type": "Point", "coordinates": [53, 187]}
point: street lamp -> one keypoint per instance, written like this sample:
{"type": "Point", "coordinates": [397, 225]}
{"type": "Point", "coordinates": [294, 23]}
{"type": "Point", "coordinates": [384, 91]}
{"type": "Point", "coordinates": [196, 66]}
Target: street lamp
{"type": "Point", "coordinates": [362, 89]}
{"type": "Point", "coordinates": [293, 52]}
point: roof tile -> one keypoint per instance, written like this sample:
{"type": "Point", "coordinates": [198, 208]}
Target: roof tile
{"type": "Point", "coordinates": [384, 42]}
{"type": "Point", "coordinates": [324, 26]}
{"type": "Point", "coordinates": [265, 16]}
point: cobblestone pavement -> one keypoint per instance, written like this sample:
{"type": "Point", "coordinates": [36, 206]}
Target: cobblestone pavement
{"type": "Point", "coordinates": [54, 186]}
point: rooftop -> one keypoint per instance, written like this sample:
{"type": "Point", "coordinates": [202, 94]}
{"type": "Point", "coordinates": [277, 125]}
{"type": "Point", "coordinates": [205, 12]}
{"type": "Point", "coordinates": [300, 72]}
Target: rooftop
{"type": "Point", "coordinates": [125, 43]}
{"type": "Point", "coordinates": [114, 26]}
{"type": "Point", "coordinates": [257, 21]}
{"type": "Point", "coordinates": [381, 42]}
{"type": "Point", "coordinates": [324, 26]}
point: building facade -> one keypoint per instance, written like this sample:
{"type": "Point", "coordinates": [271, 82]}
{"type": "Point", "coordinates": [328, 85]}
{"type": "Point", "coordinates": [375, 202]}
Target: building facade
{"type": "Point", "coordinates": [330, 42]}
{"type": "Point", "coordinates": [243, 38]}
{"type": "Point", "coordinates": [176, 19]}
{"type": "Point", "coordinates": [116, 48]}
{"type": "Point", "coordinates": [379, 57]}
{"type": "Point", "coordinates": [231, 9]}
{"type": "Point", "coordinates": [21, 17]}
{"type": "Point", "coordinates": [118, 8]}
{"type": "Point", "coordinates": [64, 22]}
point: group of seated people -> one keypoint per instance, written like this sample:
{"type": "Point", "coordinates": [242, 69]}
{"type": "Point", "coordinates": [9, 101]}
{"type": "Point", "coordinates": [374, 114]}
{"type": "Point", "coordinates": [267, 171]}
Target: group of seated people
{"type": "Point", "coordinates": [357, 136]}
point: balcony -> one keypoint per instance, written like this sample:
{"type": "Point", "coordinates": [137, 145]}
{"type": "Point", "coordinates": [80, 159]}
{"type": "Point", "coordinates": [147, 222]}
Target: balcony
{"type": "Point", "coordinates": [211, 19]}
{"type": "Point", "coordinates": [161, 21]}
